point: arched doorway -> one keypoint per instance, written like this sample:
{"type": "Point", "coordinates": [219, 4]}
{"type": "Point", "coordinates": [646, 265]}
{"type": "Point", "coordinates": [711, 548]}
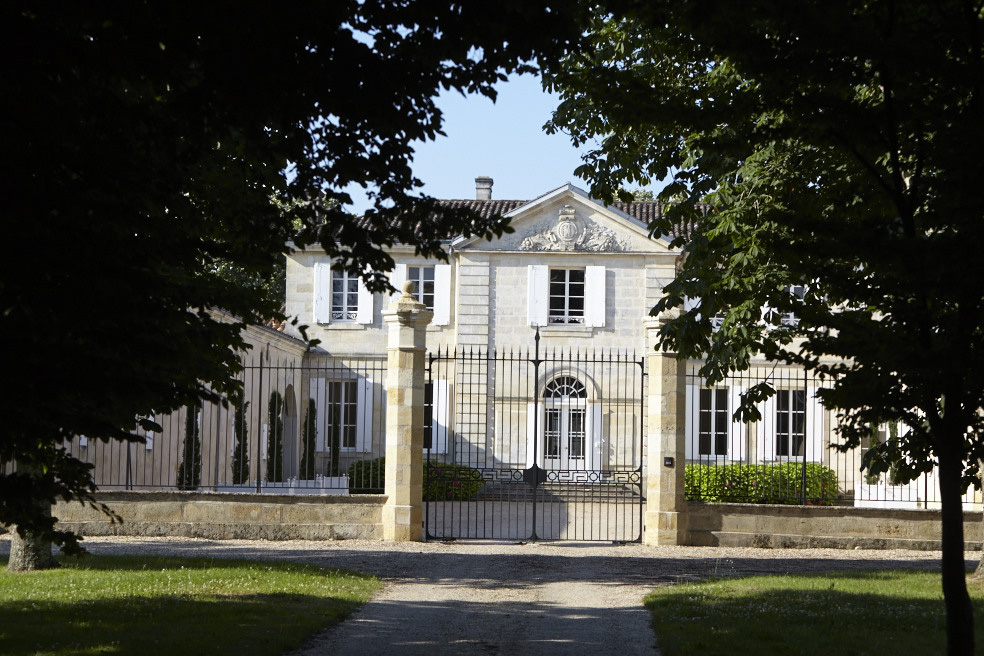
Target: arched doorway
{"type": "Point", "coordinates": [565, 425]}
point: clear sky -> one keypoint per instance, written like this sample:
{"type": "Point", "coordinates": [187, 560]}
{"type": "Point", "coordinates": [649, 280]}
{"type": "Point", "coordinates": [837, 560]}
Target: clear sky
{"type": "Point", "coordinates": [504, 141]}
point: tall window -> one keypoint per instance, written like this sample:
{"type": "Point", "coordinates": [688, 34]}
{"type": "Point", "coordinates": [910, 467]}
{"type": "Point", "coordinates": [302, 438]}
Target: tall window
{"type": "Point", "coordinates": [566, 296]}
{"type": "Point", "coordinates": [344, 296]}
{"type": "Point", "coordinates": [791, 423]}
{"type": "Point", "coordinates": [423, 276]}
{"type": "Point", "coordinates": [344, 407]}
{"type": "Point", "coordinates": [712, 422]}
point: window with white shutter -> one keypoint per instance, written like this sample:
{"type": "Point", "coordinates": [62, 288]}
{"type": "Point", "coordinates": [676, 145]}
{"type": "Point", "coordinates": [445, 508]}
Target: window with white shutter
{"type": "Point", "coordinates": [340, 296]}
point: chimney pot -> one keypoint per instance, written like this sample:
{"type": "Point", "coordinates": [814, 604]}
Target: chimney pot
{"type": "Point", "coordinates": [483, 188]}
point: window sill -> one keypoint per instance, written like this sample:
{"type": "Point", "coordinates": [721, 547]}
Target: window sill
{"type": "Point", "coordinates": [344, 326]}
{"type": "Point", "coordinates": [566, 330]}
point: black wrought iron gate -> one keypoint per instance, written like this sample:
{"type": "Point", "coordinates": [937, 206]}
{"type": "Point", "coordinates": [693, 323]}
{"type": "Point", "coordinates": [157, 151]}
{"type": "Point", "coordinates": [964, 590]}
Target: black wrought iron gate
{"type": "Point", "coordinates": [531, 445]}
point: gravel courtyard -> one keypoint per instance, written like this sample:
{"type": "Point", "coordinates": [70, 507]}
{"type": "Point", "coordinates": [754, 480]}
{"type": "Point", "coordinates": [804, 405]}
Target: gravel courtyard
{"type": "Point", "coordinates": [506, 598]}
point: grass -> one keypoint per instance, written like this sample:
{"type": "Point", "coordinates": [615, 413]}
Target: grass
{"type": "Point", "coordinates": [154, 605]}
{"type": "Point", "coordinates": [860, 613]}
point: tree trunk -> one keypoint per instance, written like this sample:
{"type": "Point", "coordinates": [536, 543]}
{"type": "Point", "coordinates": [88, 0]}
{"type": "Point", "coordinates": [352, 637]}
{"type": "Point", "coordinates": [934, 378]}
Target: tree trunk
{"type": "Point", "coordinates": [959, 612]}
{"type": "Point", "coordinates": [29, 552]}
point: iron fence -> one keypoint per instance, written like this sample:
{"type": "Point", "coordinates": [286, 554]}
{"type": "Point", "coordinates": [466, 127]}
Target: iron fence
{"type": "Point", "coordinates": [788, 456]}
{"type": "Point", "coordinates": [530, 444]}
{"type": "Point", "coordinates": [297, 429]}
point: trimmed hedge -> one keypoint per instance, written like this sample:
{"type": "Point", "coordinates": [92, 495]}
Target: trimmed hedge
{"type": "Point", "coordinates": [442, 481]}
{"type": "Point", "coordinates": [367, 476]}
{"type": "Point", "coordinates": [780, 484]}
{"type": "Point", "coordinates": [450, 482]}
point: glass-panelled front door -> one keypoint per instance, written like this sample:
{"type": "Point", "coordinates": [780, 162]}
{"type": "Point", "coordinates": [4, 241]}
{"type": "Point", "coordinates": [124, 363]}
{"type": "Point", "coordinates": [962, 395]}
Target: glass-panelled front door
{"type": "Point", "coordinates": [565, 437]}
{"type": "Point", "coordinates": [565, 425]}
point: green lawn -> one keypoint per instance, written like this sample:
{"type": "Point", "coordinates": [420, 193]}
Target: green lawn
{"type": "Point", "coordinates": [869, 613]}
{"type": "Point", "coordinates": [153, 605]}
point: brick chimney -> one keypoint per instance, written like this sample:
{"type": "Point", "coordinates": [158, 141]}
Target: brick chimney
{"type": "Point", "coordinates": [483, 188]}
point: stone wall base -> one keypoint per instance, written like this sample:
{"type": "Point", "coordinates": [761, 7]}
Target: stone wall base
{"type": "Point", "coordinates": [229, 516]}
{"type": "Point", "coordinates": [768, 526]}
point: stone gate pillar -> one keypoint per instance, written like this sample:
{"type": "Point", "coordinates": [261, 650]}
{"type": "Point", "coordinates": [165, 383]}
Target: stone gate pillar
{"type": "Point", "coordinates": [666, 509]}
{"type": "Point", "coordinates": [403, 513]}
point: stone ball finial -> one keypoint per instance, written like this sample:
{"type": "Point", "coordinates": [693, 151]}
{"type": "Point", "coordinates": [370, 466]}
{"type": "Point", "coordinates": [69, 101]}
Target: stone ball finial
{"type": "Point", "coordinates": [409, 287]}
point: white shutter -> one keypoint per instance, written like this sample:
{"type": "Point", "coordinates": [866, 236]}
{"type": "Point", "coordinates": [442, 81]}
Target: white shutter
{"type": "Point", "coordinates": [440, 416]}
{"type": "Point", "coordinates": [692, 421]}
{"type": "Point", "coordinates": [363, 431]}
{"type": "Point", "coordinates": [397, 279]}
{"type": "Point", "coordinates": [322, 292]}
{"type": "Point", "coordinates": [365, 311]}
{"type": "Point", "coordinates": [317, 394]}
{"type": "Point", "coordinates": [594, 296]}
{"type": "Point", "coordinates": [442, 294]}
{"type": "Point", "coordinates": [538, 294]}
{"type": "Point", "coordinates": [596, 437]}
{"type": "Point", "coordinates": [531, 448]}
{"type": "Point", "coordinates": [736, 429]}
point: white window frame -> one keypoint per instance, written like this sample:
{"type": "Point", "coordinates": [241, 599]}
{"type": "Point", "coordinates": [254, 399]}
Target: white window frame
{"type": "Point", "coordinates": [323, 297]}
{"type": "Point", "coordinates": [419, 274]}
{"type": "Point", "coordinates": [790, 318]}
{"type": "Point", "coordinates": [593, 418]}
{"type": "Point", "coordinates": [736, 431]}
{"type": "Point", "coordinates": [538, 297]}
{"type": "Point", "coordinates": [768, 429]}
{"type": "Point", "coordinates": [324, 395]}
{"type": "Point", "coordinates": [559, 310]}
{"type": "Point", "coordinates": [442, 289]}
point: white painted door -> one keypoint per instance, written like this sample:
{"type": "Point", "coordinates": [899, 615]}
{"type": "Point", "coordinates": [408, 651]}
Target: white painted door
{"type": "Point", "coordinates": [565, 438]}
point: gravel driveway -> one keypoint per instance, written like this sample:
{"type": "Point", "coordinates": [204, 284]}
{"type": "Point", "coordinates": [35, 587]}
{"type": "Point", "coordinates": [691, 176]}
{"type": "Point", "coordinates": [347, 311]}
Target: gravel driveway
{"type": "Point", "coordinates": [505, 598]}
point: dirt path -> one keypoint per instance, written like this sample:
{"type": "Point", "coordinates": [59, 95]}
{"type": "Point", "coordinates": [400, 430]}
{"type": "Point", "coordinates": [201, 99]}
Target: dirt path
{"type": "Point", "coordinates": [522, 599]}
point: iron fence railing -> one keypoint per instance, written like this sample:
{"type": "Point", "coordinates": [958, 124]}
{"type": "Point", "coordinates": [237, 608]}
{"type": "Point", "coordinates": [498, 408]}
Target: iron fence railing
{"type": "Point", "coordinates": [296, 430]}
{"type": "Point", "coordinates": [788, 456]}
{"type": "Point", "coordinates": [535, 444]}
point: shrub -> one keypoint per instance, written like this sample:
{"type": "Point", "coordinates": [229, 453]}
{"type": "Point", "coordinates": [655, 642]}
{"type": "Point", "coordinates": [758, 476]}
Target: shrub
{"type": "Point", "coordinates": [275, 443]}
{"type": "Point", "coordinates": [450, 482]}
{"type": "Point", "coordinates": [309, 434]}
{"type": "Point", "coordinates": [240, 453]}
{"type": "Point", "coordinates": [442, 481]}
{"type": "Point", "coordinates": [367, 476]}
{"type": "Point", "coordinates": [779, 483]}
{"type": "Point", "coordinates": [190, 467]}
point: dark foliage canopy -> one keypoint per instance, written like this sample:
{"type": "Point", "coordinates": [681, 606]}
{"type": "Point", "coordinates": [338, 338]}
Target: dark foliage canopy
{"type": "Point", "coordinates": [838, 146]}
{"type": "Point", "coordinates": [150, 146]}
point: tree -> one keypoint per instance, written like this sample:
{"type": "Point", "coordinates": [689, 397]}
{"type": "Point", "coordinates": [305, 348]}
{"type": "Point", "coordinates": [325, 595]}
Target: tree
{"type": "Point", "coordinates": [240, 452]}
{"type": "Point", "coordinates": [190, 468]}
{"type": "Point", "coordinates": [149, 145]}
{"type": "Point", "coordinates": [275, 440]}
{"type": "Point", "coordinates": [309, 436]}
{"type": "Point", "coordinates": [835, 145]}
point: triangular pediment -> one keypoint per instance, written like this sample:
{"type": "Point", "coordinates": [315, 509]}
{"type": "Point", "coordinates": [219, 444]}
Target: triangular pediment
{"type": "Point", "coordinates": [567, 219]}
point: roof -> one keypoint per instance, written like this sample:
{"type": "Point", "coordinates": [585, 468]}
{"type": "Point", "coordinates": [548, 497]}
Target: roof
{"type": "Point", "coordinates": [644, 211]}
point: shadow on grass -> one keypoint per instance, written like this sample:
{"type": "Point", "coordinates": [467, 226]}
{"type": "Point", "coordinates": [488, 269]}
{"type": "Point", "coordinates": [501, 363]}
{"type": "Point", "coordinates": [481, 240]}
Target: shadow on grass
{"type": "Point", "coordinates": [52, 612]}
{"type": "Point", "coordinates": [861, 613]}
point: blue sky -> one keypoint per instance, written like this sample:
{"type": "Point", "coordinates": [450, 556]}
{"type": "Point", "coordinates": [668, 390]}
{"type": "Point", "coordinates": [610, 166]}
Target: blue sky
{"type": "Point", "coordinates": [504, 141]}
